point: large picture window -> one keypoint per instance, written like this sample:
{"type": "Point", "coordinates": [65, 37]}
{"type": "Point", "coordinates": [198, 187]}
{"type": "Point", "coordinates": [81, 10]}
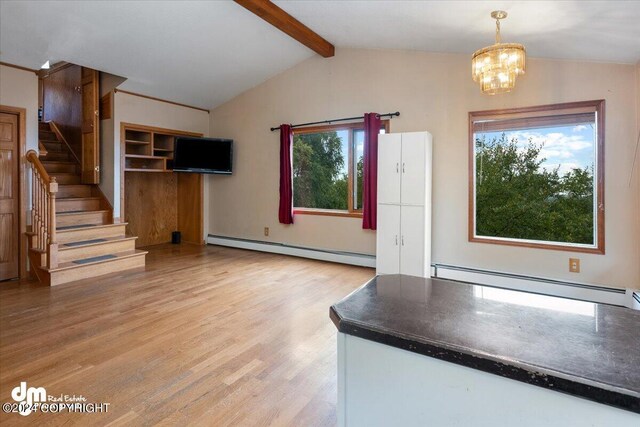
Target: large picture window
{"type": "Point", "coordinates": [328, 169]}
{"type": "Point", "coordinates": [537, 176]}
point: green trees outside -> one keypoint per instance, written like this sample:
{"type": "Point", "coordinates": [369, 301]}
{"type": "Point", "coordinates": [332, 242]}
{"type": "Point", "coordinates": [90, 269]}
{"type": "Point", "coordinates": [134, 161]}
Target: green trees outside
{"type": "Point", "coordinates": [319, 180]}
{"type": "Point", "coordinates": [517, 198]}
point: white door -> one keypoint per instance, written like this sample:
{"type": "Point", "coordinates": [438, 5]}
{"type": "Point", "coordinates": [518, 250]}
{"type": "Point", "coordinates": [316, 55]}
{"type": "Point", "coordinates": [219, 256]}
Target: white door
{"type": "Point", "coordinates": [413, 169]}
{"type": "Point", "coordinates": [388, 240]}
{"type": "Point", "coordinates": [412, 250]}
{"type": "Point", "coordinates": [389, 153]}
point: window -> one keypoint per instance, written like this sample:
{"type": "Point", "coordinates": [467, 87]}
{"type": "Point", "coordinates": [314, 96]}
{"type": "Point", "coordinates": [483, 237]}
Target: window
{"type": "Point", "coordinates": [328, 169]}
{"type": "Point", "coordinates": [537, 177]}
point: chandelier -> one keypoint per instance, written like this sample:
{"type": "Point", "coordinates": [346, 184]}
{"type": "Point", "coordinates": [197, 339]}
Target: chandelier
{"type": "Point", "coordinates": [496, 67]}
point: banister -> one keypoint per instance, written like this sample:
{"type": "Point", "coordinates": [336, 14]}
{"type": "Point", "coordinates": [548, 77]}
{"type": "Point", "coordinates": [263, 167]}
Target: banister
{"type": "Point", "coordinates": [43, 212]}
{"type": "Point", "coordinates": [34, 159]}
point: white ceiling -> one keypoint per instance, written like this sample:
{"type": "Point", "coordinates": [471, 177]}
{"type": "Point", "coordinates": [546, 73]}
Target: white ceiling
{"type": "Point", "coordinates": [204, 53]}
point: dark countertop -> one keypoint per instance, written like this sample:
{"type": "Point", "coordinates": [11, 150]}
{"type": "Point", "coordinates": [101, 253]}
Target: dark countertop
{"type": "Point", "coordinates": [580, 348]}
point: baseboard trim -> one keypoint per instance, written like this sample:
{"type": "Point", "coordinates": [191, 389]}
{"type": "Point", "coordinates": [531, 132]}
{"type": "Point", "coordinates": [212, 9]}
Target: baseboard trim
{"type": "Point", "coordinates": [580, 291]}
{"type": "Point", "coordinates": [361, 260]}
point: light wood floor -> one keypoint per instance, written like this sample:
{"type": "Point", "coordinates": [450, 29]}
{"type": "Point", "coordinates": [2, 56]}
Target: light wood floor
{"type": "Point", "coordinates": [205, 336]}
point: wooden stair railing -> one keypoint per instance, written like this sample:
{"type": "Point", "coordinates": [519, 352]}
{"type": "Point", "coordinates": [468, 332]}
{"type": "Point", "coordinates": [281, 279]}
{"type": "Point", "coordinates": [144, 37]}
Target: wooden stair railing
{"type": "Point", "coordinates": [43, 210]}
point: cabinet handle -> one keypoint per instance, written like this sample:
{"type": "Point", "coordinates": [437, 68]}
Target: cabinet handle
{"type": "Point", "coordinates": [397, 167]}
{"type": "Point", "coordinates": [402, 167]}
{"type": "Point", "coordinates": [396, 240]}
{"type": "Point", "coordinates": [403, 240]}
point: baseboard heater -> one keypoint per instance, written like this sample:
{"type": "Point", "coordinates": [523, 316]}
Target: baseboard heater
{"type": "Point", "coordinates": [580, 291]}
{"type": "Point", "coordinates": [362, 260]}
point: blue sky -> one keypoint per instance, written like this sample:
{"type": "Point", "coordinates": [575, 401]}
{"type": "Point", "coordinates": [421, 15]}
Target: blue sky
{"type": "Point", "coordinates": [566, 146]}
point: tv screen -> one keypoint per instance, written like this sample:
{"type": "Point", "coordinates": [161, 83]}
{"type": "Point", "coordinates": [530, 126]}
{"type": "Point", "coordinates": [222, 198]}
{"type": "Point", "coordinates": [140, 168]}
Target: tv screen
{"type": "Point", "coordinates": [203, 155]}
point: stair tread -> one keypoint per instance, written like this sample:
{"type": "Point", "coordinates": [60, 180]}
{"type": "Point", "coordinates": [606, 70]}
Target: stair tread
{"type": "Point", "coordinates": [94, 242]}
{"type": "Point", "coordinates": [58, 162]}
{"type": "Point", "coordinates": [86, 226]}
{"type": "Point", "coordinates": [118, 255]}
{"type": "Point", "coordinates": [78, 198]}
{"type": "Point", "coordinates": [94, 259]}
{"type": "Point", "coordinates": [81, 212]}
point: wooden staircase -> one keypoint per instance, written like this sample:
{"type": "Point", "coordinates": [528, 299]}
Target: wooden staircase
{"type": "Point", "coordinates": [73, 236]}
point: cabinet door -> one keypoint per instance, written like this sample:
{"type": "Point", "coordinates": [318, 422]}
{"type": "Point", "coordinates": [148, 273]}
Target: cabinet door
{"type": "Point", "coordinates": [388, 240]}
{"type": "Point", "coordinates": [389, 148]}
{"type": "Point", "coordinates": [412, 249]}
{"type": "Point", "coordinates": [413, 169]}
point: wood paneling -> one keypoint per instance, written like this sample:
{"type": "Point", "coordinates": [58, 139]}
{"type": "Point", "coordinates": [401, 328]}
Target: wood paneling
{"type": "Point", "coordinates": [90, 160]}
{"type": "Point", "coordinates": [289, 25]}
{"type": "Point", "coordinates": [190, 207]}
{"type": "Point", "coordinates": [105, 107]}
{"type": "Point", "coordinates": [9, 197]}
{"type": "Point", "coordinates": [62, 102]}
{"type": "Point", "coordinates": [205, 336]}
{"type": "Point", "coordinates": [152, 211]}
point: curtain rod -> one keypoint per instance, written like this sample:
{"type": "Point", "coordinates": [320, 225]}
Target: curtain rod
{"type": "Point", "coordinates": [346, 119]}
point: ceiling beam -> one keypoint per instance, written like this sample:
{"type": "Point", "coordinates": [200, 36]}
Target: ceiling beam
{"type": "Point", "coordinates": [289, 25]}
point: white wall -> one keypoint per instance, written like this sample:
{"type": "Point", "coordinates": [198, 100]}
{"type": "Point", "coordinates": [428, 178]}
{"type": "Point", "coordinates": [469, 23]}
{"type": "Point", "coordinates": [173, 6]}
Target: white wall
{"type": "Point", "coordinates": [433, 92]}
{"type": "Point", "coordinates": [143, 111]}
{"type": "Point", "coordinates": [19, 88]}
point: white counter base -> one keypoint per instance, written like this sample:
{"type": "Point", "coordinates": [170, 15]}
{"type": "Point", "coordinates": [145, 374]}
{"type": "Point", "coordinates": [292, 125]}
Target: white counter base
{"type": "Point", "coordinates": [380, 385]}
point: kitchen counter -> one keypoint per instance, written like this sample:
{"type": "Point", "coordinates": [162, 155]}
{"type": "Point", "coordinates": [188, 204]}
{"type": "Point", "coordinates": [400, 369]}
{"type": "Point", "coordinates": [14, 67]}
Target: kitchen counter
{"type": "Point", "coordinates": [583, 349]}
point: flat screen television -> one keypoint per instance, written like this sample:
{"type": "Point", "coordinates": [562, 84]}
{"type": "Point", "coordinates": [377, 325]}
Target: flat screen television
{"type": "Point", "coordinates": [203, 155]}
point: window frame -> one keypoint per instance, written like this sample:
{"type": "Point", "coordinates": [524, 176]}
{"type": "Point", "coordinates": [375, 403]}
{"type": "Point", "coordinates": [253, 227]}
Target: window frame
{"type": "Point", "coordinates": [351, 127]}
{"type": "Point", "coordinates": [537, 114]}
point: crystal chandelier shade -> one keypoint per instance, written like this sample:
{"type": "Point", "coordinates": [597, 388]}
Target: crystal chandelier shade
{"type": "Point", "coordinates": [496, 67]}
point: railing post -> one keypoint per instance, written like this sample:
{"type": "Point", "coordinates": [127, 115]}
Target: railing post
{"type": "Point", "coordinates": [52, 249]}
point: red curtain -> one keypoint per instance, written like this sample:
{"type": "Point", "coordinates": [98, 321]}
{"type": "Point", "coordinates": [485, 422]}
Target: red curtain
{"type": "Point", "coordinates": [370, 176]}
{"type": "Point", "coordinates": [285, 211]}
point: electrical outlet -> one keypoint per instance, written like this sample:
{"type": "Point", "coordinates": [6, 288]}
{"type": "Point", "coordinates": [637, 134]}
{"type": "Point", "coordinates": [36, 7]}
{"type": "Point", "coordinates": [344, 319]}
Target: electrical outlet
{"type": "Point", "coordinates": [266, 231]}
{"type": "Point", "coordinates": [574, 265]}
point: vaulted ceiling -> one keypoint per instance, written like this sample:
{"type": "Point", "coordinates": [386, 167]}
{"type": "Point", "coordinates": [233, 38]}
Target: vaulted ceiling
{"type": "Point", "coordinates": [205, 53]}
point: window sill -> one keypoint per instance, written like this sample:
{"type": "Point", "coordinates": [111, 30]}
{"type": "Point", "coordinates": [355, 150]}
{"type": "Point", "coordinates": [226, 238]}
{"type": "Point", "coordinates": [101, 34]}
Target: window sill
{"type": "Point", "coordinates": [327, 212]}
{"type": "Point", "coordinates": [539, 245]}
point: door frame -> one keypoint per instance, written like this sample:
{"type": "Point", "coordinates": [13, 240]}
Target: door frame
{"type": "Point", "coordinates": [23, 196]}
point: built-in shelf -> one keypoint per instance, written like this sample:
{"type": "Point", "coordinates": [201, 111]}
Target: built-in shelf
{"type": "Point", "coordinates": [147, 150]}
{"type": "Point", "coordinates": [145, 170]}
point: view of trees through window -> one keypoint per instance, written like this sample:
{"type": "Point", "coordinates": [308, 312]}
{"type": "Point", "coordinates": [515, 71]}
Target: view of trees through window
{"type": "Point", "coordinates": [321, 172]}
{"type": "Point", "coordinates": [536, 184]}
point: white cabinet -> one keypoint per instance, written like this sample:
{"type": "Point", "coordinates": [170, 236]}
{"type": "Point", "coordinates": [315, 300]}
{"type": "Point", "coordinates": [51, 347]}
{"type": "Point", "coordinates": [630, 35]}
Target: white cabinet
{"type": "Point", "coordinates": [413, 259]}
{"type": "Point", "coordinates": [389, 160]}
{"type": "Point", "coordinates": [404, 204]}
{"type": "Point", "coordinates": [412, 189]}
{"type": "Point", "coordinates": [388, 238]}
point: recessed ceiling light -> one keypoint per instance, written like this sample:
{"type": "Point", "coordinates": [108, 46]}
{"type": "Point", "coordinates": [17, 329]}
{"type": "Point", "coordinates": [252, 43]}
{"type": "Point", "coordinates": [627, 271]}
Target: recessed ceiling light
{"type": "Point", "coordinates": [45, 66]}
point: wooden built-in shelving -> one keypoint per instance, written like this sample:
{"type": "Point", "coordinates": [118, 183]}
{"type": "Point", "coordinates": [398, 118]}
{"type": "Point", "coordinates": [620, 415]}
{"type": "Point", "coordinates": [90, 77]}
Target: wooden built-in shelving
{"type": "Point", "coordinates": [147, 150]}
{"type": "Point", "coordinates": [155, 204]}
